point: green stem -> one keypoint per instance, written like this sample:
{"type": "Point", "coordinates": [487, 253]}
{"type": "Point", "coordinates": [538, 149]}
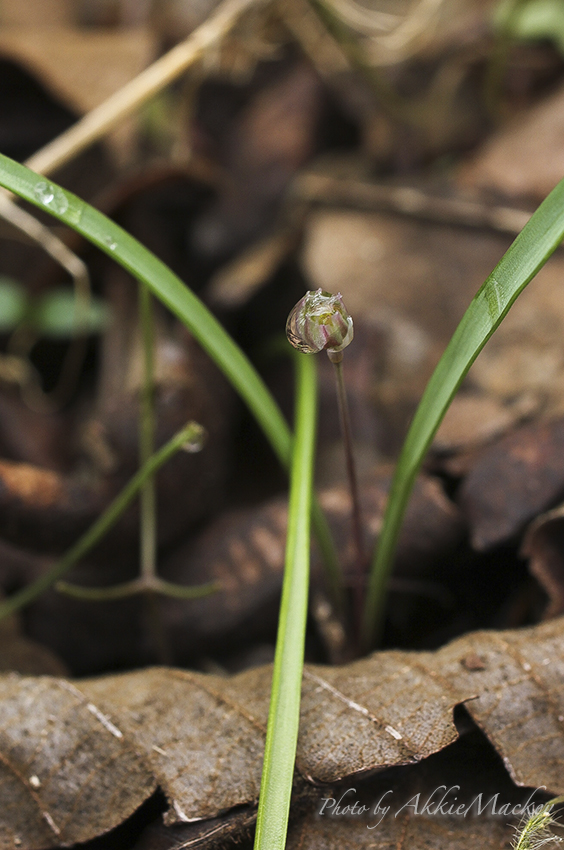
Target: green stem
{"type": "Point", "coordinates": [191, 433]}
{"type": "Point", "coordinates": [284, 713]}
{"type": "Point", "coordinates": [148, 496]}
{"type": "Point", "coordinates": [148, 507]}
{"type": "Point", "coordinates": [134, 587]}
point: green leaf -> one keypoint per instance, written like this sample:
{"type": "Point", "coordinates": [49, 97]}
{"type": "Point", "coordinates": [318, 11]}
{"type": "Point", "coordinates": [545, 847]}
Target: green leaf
{"type": "Point", "coordinates": [181, 301]}
{"type": "Point", "coordinates": [284, 711]}
{"type": "Point", "coordinates": [59, 314]}
{"type": "Point", "coordinates": [529, 252]}
{"type": "Point", "coordinates": [14, 304]}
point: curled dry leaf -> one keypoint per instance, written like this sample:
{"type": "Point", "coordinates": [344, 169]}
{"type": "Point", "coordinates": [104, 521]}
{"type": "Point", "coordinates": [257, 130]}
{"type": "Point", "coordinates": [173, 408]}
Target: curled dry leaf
{"type": "Point", "coordinates": [43, 507]}
{"type": "Point", "coordinates": [512, 481]}
{"type": "Point", "coordinates": [543, 545]}
{"type": "Point", "coordinates": [413, 806]}
{"type": "Point", "coordinates": [244, 552]}
{"type": "Point", "coordinates": [439, 833]}
{"type": "Point", "coordinates": [23, 655]}
{"type": "Point", "coordinates": [47, 723]}
{"type": "Point", "coordinates": [104, 744]}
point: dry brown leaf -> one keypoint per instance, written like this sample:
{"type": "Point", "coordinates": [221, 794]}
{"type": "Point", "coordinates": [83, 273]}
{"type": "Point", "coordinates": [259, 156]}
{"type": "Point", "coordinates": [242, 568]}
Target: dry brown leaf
{"type": "Point", "coordinates": [59, 755]}
{"type": "Point", "coordinates": [543, 546]}
{"type": "Point", "coordinates": [397, 833]}
{"type": "Point", "coordinates": [512, 481]}
{"type": "Point", "coordinates": [23, 655]}
{"type": "Point", "coordinates": [415, 806]}
{"type": "Point", "coordinates": [243, 551]}
{"type": "Point", "coordinates": [525, 158]}
{"type": "Point", "coordinates": [475, 418]}
{"type": "Point", "coordinates": [103, 745]}
{"type": "Point", "coordinates": [42, 12]}
{"type": "Point", "coordinates": [82, 67]}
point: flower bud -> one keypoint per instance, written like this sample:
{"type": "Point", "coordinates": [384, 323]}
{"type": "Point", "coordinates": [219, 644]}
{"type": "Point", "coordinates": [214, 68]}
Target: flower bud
{"type": "Point", "coordinates": [320, 322]}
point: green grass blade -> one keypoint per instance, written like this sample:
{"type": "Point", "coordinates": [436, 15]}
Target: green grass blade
{"type": "Point", "coordinates": [144, 266]}
{"type": "Point", "coordinates": [528, 253]}
{"type": "Point", "coordinates": [284, 714]}
{"type": "Point", "coordinates": [166, 286]}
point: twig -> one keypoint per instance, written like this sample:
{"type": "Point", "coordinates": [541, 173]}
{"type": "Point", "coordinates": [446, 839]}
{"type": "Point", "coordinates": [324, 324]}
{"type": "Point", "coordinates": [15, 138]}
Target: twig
{"type": "Point", "coordinates": [315, 188]}
{"type": "Point", "coordinates": [138, 91]}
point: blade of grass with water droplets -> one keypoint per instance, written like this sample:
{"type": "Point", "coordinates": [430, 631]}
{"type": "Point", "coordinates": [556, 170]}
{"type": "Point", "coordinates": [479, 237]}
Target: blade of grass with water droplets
{"type": "Point", "coordinates": [181, 301]}
{"type": "Point", "coordinates": [529, 252]}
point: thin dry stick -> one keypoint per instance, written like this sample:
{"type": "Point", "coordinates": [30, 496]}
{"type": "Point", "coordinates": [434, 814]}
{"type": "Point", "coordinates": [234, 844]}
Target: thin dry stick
{"type": "Point", "coordinates": [138, 91]}
{"type": "Point", "coordinates": [317, 188]}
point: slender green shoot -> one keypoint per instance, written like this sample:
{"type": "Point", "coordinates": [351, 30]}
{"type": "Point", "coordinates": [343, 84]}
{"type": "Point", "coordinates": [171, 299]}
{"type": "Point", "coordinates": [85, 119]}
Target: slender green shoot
{"type": "Point", "coordinates": [284, 714]}
{"type": "Point", "coordinates": [190, 434]}
{"type": "Point", "coordinates": [529, 252]}
{"type": "Point", "coordinates": [142, 584]}
{"type": "Point", "coordinates": [148, 534]}
{"type": "Point", "coordinates": [148, 495]}
{"type": "Point", "coordinates": [165, 285]}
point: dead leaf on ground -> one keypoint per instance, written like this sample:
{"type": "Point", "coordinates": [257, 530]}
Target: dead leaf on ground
{"type": "Point", "coordinates": [414, 806]}
{"type": "Point", "coordinates": [476, 418]}
{"type": "Point", "coordinates": [544, 546]}
{"type": "Point", "coordinates": [244, 552]}
{"type": "Point", "coordinates": [105, 744]}
{"type": "Point", "coordinates": [81, 67]}
{"type": "Point", "coordinates": [455, 833]}
{"type": "Point", "coordinates": [23, 655]}
{"type": "Point", "coordinates": [395, 806]}
{"type": "Point", "coordinates": [525, 159]}
{"type": "Point", "coordinates": [512, 481]}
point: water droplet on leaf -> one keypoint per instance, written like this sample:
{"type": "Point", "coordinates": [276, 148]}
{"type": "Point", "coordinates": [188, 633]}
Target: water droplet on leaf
{"type": "Point", "coordinates": [51, 196]}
